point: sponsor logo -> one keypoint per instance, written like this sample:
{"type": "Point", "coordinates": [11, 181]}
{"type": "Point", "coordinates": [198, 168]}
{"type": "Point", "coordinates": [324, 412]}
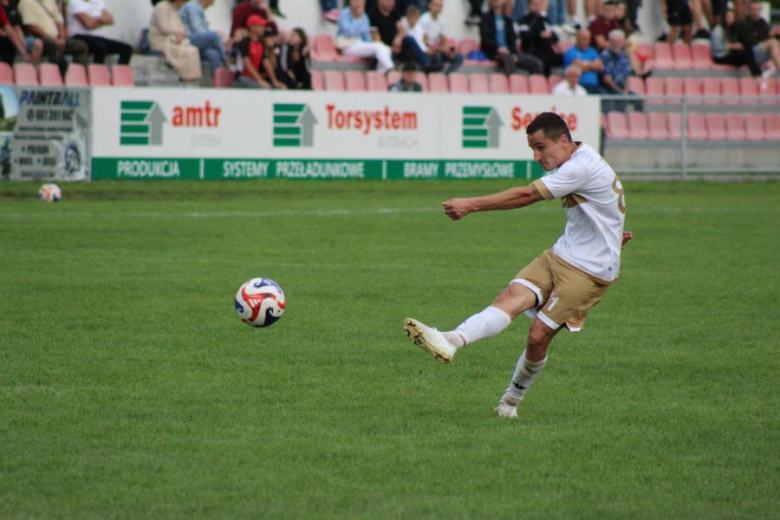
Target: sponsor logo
{"type": "Point", "coordinates": [142, 123]}
{"type": "Point", "coordinates": [293, 125]}
{"type": "Point", "coordinates": [481, 127]}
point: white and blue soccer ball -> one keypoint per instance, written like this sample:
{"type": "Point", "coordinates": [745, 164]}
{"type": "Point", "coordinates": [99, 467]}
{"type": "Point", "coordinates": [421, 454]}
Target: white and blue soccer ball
{"type": "Point", "coordinates": [260, 302]}
{"type": "Point", "coordinates": [50, 193]}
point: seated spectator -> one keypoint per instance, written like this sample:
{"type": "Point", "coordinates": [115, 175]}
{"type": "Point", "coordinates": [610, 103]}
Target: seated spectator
{"type": "Point", "coordinates": [387, 22]}
{"type": "Point", "coordinates": [679, 17]}
{"type": "Point", "coordinates": [252, 54]}
{"type": "Point", "coordinates": [208, 42]}
{"type": "Point", "coordinates": [499, 43]}
{"type": "Point", "coordinates": [355, 37]}
{"type": "Point", "coordinates": [408, 81]}
{"type": "Point", "coordinates": [537, 37]}
{"type": "Point", "coordinates": [243, 11]}
{"type": "Point", "coordinates": [435, 39]}
{"type": "Point", "coordinates": [43, 19]}
{"type": "Point", "coordinates": [168, 36]}
{"type": "Point", "coordinates": [12, 39]}
{"type": "Point", "coordinates": [570, 86]}
{"type": "Point", "coordinates": [294, 68]}
{"type": "Point", "coordinates": [605, 23]}
{"type": "Point", "coordinates": [754, 33]}
{"type": "Point", "coordinates": [271, 42]}
{"type": "Point", "coordinates": [85, 20]}
{"type": "Point", "coordinates": [725, 51]}
{"type": "Point", "coordinates": [586, 58]}
{"type": "Point", "coordinates": [617, 69]}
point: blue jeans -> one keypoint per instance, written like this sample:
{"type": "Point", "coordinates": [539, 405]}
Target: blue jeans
{"type": "Point", "coordinates": [411, 50]}
{"type": "Point", "coordinates": [211, 48]}
{"type": "Point", "coordinates": [556, 12]}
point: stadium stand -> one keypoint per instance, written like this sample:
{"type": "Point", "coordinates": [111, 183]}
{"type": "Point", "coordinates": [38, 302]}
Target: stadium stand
{"type": "Point", "coordinates": [748, 90]}
{"type": "Point", "coordinates": [711, 88]}
{"type": "Point", "coordinates": [657, 127]}
{"type": "Point", "coordinates": [334, 81]}
{"type": "Point", "coordinates": [553, 80]}
{"type": "Point", "coordinates": [675, 125]}
{"type": "Point", "coordinates": [498, 83]}
{"type": "Point", "coordinates": [616, 126]}
{"type": "Point", "coordinates": [772, 126]}
{"type": "Point", "coordinates": [437, 82]}
{"type": "Point", "coordinates": [637, 126]}
{"type": "Point", "coordinates": [692, 88]}
{"type": "Point", "coordinates": [376, 81]}
{"type": "Point", "coordinates": [324, 48]}
{"type": "Point", "coordinates": [49, 75]}
{"type": "Point", "coordinates": [317, 83]}
{"type": "Point", "coordinates": [6, 74]}
{"type": "Point", "coordinates": [537, 84]}
{"type": "Point", "coordinates": [76, 76]}
{"type": "Point", "coordinates": [697, 126]}
{"type": "Point", "coordinates": [122, 76]}
{"type": "Point", "coordinates": [681, 55]}
{"type": "Point", "coordinates": [662, 55]}
{"type": "Point", "coordinates": [735, 127]}
{"type": "Point", "coordinates": [25, 74]}
{"type": "Point", "coordinates": [716, 127]}
{"type": "Point", "coordinates": [355, 81]}
{"type": "Point", "coordinates": [478, 84]}
{"type": "Point", "coordinates": [459, 83]}
{"type": "Point", "coordinates": [518, 84]}
{"type": "Point", "coordinates": [223, 78]}
{"type": "Point", "coordinates": [729, 87]}
{"type": "Point", "coordinates": [700, 54]}
{"type": "Point", "coordinates": [98, 75]}
{"type": "Point", "coordinates": [754, 127]}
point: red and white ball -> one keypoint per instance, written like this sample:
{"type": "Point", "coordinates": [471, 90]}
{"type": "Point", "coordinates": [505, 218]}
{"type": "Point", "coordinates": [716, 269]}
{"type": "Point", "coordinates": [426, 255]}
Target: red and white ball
{"type": "Point", "coordinates": [260, 302]}
{"type": "Point", "coordinates": [50, 193]}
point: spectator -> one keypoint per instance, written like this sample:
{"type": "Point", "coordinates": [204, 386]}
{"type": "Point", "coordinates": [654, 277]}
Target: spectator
{"type": "Point", "coordinates": [387, 22]}
{"type": "Point", "coordinates": [294, 61]}
{"type": "Point", "coordinates": [408, 81]}
{"type": "Point", "coordinates": [617, 69]}
{"type": "Point", "coordinates": [725, 51]}
{"type": "Point", "coordinates": [11, 36]}
{"type": "Point", "coordinates": [252, 53]}
{"type": "Point", "coordinates": [167, 35]}
{"type": "Point", "coordinates": [754, 33]}
{"type": "Point", "coordinates": [270, 65]}
{"type": "Point", "coordinates": [570, 86]}
{"type": "Point", "coordinates": [605, 23]}
{"type": "Point", "coordinates": [498, 41]}
{"type": "Point", "coordinates": [625, 24]}
{"type": "Point", "coordinates": [537, 37]}
{"type": "Point", "coordinates": [355, 37]}
{"type": "Point", "coordinates": [43, 19]}
{"type": "Point", "coordinates": [679, 16]}
{"type": "Point", "coordinates": [85, 20]}
{"type": "Point", "coordinates": [435, 39]}
{"type": "Point", "coordinates": [586, 58]}
{"type": "Point", "coordinates": [243, 11]}
{"type": "Point", "coordinates": [208, 42]}
{"type": "Point", "coordinates": [330, 11]}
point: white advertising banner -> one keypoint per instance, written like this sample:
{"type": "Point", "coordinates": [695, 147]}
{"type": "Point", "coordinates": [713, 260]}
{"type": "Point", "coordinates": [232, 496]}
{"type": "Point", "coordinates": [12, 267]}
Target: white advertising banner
{"type": "Point", "coordinates": [144, 133]}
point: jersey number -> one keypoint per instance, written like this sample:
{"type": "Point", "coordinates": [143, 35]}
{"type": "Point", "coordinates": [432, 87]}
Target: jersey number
{"type": "Point", "coordinates": [617, 187]}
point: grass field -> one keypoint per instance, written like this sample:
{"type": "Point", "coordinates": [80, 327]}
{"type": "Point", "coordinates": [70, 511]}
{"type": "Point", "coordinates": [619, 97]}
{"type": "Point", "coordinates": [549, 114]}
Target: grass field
{"type": "Point", "coordinates": [129, 388]}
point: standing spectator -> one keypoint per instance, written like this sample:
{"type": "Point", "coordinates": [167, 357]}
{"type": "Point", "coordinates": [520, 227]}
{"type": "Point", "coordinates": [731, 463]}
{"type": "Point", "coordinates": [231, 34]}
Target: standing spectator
{"type": "Point", "coordinates": [586, 58]}
{"type": "Point", "coordinates": [435, 38]}
{"type": "Point", "coordinates": [605, 23]}
{"type": "Point", "coordinates": [498, 41]}
{"type": "Point", "coordinates": [11, 36]}
{"type": "Point", "coordinates": [167, 35]}
{"type": "Point", "coordinates": [537, 37]}
{"type": "Point", "coordinates": [355, 37]}
{"type": "Point", "coordinates": [725, 51]}
{"type": "Point", "coordinates": [243, 11]}
{"type": "Point", "coordinates": [388, 23]}
{"type": "Point", "coordinates": [85, 20]}
{"type": "Point", "coordinates": [679, 17]}
{"type": "Point", "coordinates": [617, 69]}
{"type": "Point", "coordinates": [754, 33]}
{"type": "Point", "coordinates": [43, 19]}
{"type": "Point", "coordinates": [208, 42]}
{"type": "Point", "coordinates": [570, 86]}
{"type": "Point", "coordinates": [252, 52]}
{"type": "Point", "coordinates": [408, 81]}
{"type": "Point", "coordinates": [294, 61]}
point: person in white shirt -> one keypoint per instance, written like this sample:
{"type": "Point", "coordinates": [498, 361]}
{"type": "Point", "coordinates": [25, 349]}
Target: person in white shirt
{"type": "Point", "coordinates": [435, 39]}
{"type": "Point", "coordinates": [570, 86]}
{"type": "Point", "coordinates": [86, 18]}
{"type": "Point", "coordinates": [559, 287]}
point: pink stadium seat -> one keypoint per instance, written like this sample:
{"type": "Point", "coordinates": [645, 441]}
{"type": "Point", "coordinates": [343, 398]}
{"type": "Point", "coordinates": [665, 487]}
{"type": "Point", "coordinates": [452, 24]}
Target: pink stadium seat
{"type": "Point", "coordinates": [223, 78]}
{"type": "Point", "coordinates": [122, 76]}
{"type": "Point", "coordinates": [537, 84]}
{"type": "Point", "coordinates": [6, 74]}
{"type": "Point", "coordinates": [437, 82]}
{"type": "Point", "coordinates": [711, 88]}
{"type": "Point", "coordinates": [616, 126]}
{"type": "Point", "coordinates": [663, 55]}
{"type": "Point", "coordinates": [518, 84]}
{"type": "Point", "coordinates": [772, 127]}
{"type": "Point", "coordinates": [376, 81]}
{"type": "Point", "coordinates": [735, 127]}
{"type": "Point", "coordinates": [98, 75]}
{"type": "Point", "coordinates": [657, 126]}
{"type": "Point", "coordinates": [49, 75]}
{"type": "Point", "coordinates": [478, 84]}
{"type": "Point", "coordinates": [637, 126]}
{"type": "Point", "coordinates": [673, 87]}
{"type": "Point", "coordinates": [602, 120]}
{"type": "Point", "coordinates": [644, 51]}
{"type": "Point", "coordinates": [553, 80]}
{"type": "Point", "coordinates": [681, 52]}
{"type": "Point", "coordinates": [459, 83]}
{"type": "Point", "coordinates": [700, 53]}
{"type": "Point", "coordinates": [729, 87]}
{"type": "Point", "coordinates": [334, 81]}
{"type": "Point", "coordinates": [697, 126]}
{"type": "Point", "coordinates": [768, 90]}
{"type": "Point", "coordinates": [636, 85]}
{"type": "Point", "coordinates": [392, 77]}
{"type": "Point", "coordinates": [692, 89]}
{"type": "Point", "coordinates": [317, 83]}
{"type": "Point", "coordinates": [355, 81]}
{"type": "Point", "coordinates": [675, 125]}
{"type": "Point", "coordinates": [716, 127]}
{"type": "Point", "coordinates": [422, 79]}
{"type": "Point", "coordinates": [654, 87]}
{"type": "Point", "coordinates": [754, 127]}
{"type": "Point", "coordinates": [324, 48]}
{"type": "Point", "coordinates": [25, 74]}
{"type": "Point", "coordinates": [466, 45]}
{"type": "Point", "coordinates": [748, 90]}
{"type": "Point", "coordinates": [498, 83]}
{"type": "Point", "coordinates": [76, 76]}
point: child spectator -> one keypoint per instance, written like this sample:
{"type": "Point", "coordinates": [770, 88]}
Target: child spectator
{"type": "Point", "coordinates": [11, 36]}
{"type": "Point", "coordinates": [294, 68]}
{"type": "Point", "coordinates": [499, 42]}
{"type": "Point", "coordinates": [208, 42]}
{"type": "Point", "coordinates": [86, 18]}
{"type": "Point", "coordinates": [167, 35]}
{"type": "Point", "coordinates": [538, 38]}
{"type": "Point", "coordinates": [355, 37]}
{"type": "Point", "coordinates": [408, 81]}
{"type": "Point", "coordinates": [435, 39]}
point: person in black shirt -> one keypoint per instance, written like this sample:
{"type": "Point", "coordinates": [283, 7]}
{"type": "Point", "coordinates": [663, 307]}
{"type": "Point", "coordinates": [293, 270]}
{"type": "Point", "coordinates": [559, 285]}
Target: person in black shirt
{"type": "Point", "coordinates": [537, 37]}
{"type": "Point", "coordinates": [754, 33]}
{"type": "Point", "coordinates": [33, 45]}
{"type": "Point", "coordinates": [294, 63]}
{"type": "Point", "coordinates": [499, 42]}
{"type": "Point", "coordinates": [385, 19]}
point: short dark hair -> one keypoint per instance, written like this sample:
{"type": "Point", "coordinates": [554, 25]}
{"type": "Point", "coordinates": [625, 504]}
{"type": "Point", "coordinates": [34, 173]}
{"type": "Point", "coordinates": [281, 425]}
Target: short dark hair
{"type": "Point", "coordinates": [551, 124]}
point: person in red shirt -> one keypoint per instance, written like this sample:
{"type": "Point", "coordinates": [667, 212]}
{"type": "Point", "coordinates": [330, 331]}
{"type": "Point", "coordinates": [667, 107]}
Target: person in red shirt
{"type": "Point", "coordinates": [12, 35]}
{"type": "Point", "coordinates": [252, 50]}
{"type": "Point", "coordinates": [243, 12]}
{"type": "Point", "coordinates": [603, 24]}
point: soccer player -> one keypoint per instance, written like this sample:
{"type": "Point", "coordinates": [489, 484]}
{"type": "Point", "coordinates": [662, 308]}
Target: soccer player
{"type": "Point", "coordinates": [559, 287]}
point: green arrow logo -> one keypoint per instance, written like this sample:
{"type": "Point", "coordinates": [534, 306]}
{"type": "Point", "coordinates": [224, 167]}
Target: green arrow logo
{"type": "Point", "coordinates": [141, 123]}
{"type": "Point", "coordinates": [293, 125]}
{"type": "Point", "coordinates": [481, 127]}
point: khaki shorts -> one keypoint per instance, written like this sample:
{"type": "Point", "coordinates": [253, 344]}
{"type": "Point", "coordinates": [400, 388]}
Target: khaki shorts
{"type": "Point", "coordinates": [564, 294]}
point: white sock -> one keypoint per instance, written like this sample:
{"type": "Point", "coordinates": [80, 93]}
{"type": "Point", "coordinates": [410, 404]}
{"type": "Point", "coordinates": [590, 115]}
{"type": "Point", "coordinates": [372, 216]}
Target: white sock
{"type": "Point", "coordinates": [525, 374]}
{"type": "Point", "coordinates": [485, 324]}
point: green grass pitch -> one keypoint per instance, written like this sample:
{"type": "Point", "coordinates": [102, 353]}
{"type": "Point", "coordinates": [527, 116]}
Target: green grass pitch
{"type": "Point", "coordinates": [129, 387]}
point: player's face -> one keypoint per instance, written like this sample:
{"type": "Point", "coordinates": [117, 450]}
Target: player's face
{"type": "Point", "coordinates": [548, 153]}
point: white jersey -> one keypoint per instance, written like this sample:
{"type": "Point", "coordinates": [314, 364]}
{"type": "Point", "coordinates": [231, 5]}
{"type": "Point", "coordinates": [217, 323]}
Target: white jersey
{"type": "Point", "coordinates": [595, 210]}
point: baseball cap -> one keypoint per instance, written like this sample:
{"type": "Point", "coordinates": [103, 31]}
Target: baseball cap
{"type": "Point", "coordinates": [255, 20]}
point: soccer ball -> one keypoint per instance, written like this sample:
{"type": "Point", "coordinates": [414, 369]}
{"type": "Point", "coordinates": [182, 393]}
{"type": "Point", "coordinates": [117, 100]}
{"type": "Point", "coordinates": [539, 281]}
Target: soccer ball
{"type": "Point", "coordinates": [260, 302]}
{"type": "Point", "coordinates": [50, 193]}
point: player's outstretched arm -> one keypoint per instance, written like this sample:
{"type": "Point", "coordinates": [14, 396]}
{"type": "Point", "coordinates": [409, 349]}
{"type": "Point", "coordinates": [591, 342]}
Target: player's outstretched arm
{"type": "Point", "coordinates": [512, 198]}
